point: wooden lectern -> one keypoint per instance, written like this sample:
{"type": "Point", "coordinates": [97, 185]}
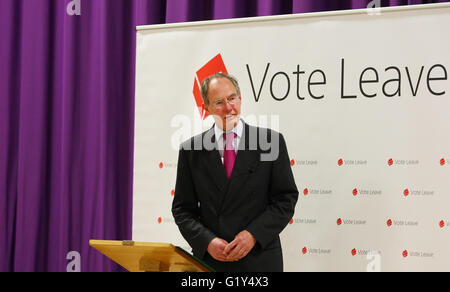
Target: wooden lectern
{"type": "Point", "coordinates": [149, 257]}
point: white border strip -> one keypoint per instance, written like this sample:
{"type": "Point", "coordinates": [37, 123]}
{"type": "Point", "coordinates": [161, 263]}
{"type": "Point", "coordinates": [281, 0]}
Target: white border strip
{"type": "Point", "coordinates": [294, 16]}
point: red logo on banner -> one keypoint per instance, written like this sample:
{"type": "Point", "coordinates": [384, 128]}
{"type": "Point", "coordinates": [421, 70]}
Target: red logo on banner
{"type": "Point", "coordinates": [406, 192]}
{"type": "Point", "coordinates": [291, 221]}
{"type": "Point", "coordinates": [292, 162]}
{"type": "Point", "coordinates": [159, 220]}
{"type": "Point", "coordinates": [215, 65]}
{"type": "Point", "coordinates": [389, 223]}
{"type": "Point", "coordinates": [354, 252]}
{"type": "Point", "coordinates": [304, 250]}
{"type": "Point", "coordinates": [339, 221]}
{"type": "Point", "coordinates": [442, 224]}
{"type": "Point", "coordinates": [442, 161]}
{"type": "Point", "coordinates": [340, 162]}
{"type": "Point", "coordinates": [161, 165]}
{"type": "Point", "coordinates": [405, 253]}
{"type": "Point", "coordinates": [305, 191]}
{"type": "Point", "coordinates": [390, 162]}
{"type": "Point", "coordinates": [355, 192]}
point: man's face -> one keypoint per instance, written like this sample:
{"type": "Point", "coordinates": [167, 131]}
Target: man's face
{"type": "Point", "coordinates": [224, 103]}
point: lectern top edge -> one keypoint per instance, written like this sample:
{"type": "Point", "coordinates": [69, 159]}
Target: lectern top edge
{"type": "Point", "coordinates": [149, 256]}
{"type": "Point", "coordinates": [130, 243]}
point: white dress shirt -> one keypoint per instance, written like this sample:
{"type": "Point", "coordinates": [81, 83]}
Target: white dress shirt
{"type": "Point", "coordinates": [220, 141]}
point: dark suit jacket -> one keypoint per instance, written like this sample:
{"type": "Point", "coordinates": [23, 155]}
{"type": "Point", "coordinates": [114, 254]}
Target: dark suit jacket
{"type": "Point", "coordinates": [260, 197]}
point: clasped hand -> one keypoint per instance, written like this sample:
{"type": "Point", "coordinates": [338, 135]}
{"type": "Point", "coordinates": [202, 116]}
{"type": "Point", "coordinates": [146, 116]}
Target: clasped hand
{"type": "Point", "coordinates": [223, 251]}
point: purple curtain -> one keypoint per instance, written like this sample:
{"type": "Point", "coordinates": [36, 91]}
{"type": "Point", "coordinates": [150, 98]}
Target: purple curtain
{"type": "Point", "coordinates": [67, 118]}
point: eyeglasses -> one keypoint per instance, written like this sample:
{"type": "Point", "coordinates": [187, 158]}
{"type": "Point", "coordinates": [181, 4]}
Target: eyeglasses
{"type": "Point", "coordinates": [219, 104]}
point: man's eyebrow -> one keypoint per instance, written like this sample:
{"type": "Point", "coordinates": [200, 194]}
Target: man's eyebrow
{"type": "Point", "coordinates": [233, 95]}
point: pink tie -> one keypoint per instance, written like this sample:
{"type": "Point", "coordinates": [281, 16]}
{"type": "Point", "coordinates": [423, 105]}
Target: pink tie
{"type": "Point", "coordinates": [229, 155]}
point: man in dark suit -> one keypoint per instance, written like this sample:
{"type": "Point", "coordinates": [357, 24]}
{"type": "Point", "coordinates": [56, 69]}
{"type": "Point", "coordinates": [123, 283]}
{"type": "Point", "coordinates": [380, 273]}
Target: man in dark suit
{"type": "Point", "coordinates": [235, 191]}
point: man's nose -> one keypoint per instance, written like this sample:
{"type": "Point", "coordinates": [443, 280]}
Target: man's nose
{"type": "Point", "coordinates": [228, 107]}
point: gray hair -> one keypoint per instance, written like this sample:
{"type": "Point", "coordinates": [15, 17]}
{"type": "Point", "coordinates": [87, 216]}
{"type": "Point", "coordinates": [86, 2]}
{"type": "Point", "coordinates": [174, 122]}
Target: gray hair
{"type": "Point", "coordinates": [205, 84]}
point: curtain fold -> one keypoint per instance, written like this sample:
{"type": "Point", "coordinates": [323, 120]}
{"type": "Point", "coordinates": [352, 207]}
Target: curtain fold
{"type": "Point", "coordinates": [67, 118]}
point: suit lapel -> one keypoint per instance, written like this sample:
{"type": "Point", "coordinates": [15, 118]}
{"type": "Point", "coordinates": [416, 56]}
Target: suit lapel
{"type": "Point", "coordinates": [214, 163]}
{"type": "Point", "coordinates": [246, 163]}
{"type": "Point", "coordinates": [246, 159]}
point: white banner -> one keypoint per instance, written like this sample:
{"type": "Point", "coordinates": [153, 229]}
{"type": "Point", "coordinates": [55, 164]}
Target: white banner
{"type": "Point", "coordinates": [363, 103]}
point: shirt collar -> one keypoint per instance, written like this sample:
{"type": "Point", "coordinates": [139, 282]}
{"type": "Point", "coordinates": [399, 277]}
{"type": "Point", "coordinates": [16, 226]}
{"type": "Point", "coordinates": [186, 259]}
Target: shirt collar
{"type": "Point", "coordinates": [238, 130]}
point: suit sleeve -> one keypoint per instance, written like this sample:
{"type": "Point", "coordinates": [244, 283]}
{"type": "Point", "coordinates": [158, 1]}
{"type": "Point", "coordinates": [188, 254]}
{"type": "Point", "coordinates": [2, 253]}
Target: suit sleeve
{"type": "Point", "coordinates": [283, 196]}
{"type": "Point", "coordinates": [186, 211]}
